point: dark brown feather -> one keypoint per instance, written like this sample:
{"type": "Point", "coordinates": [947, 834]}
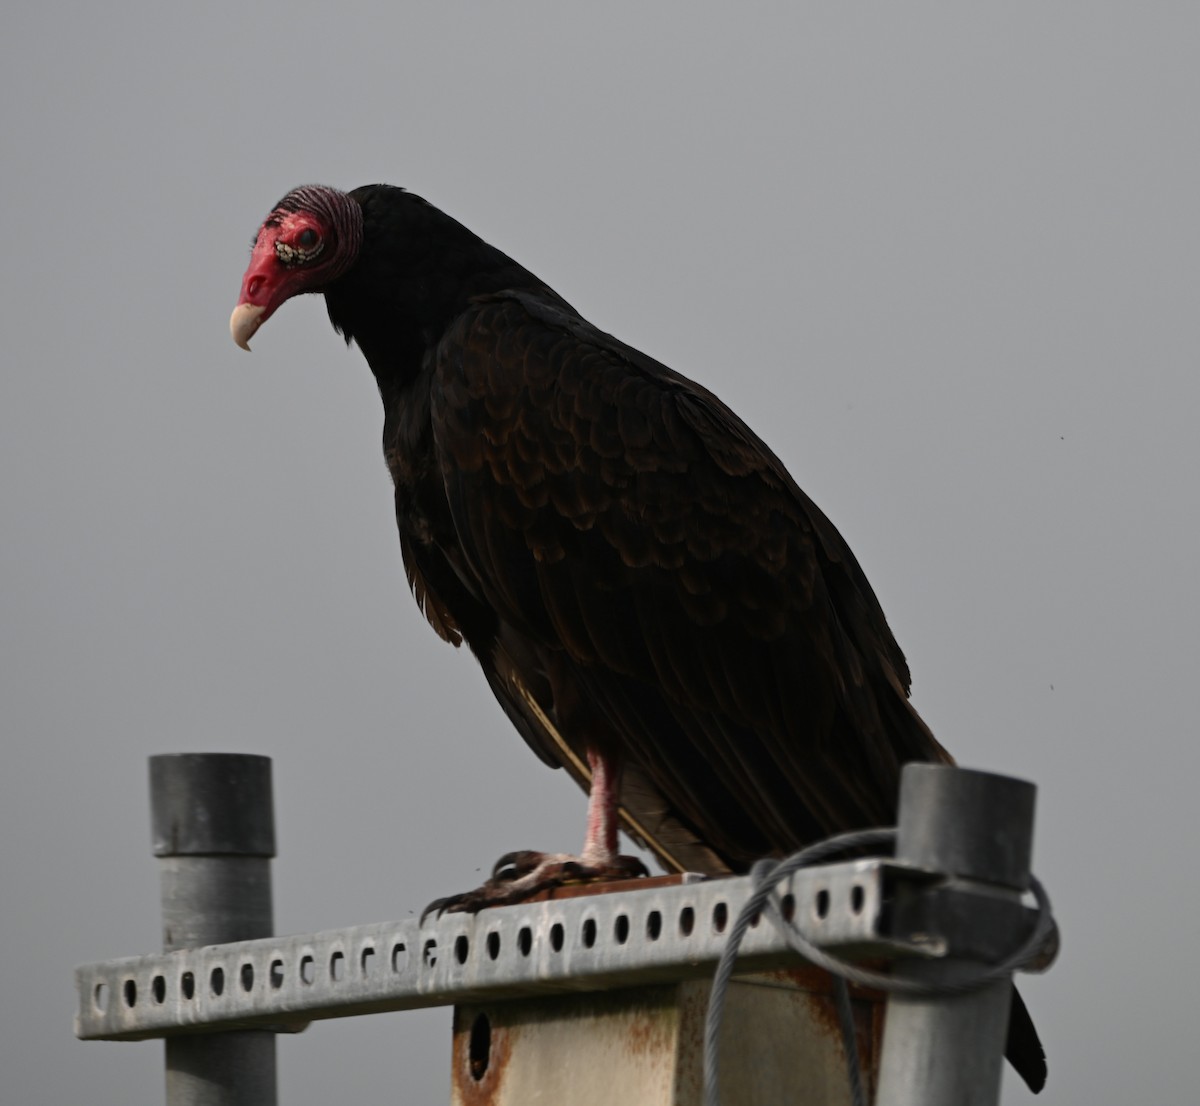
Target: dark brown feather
{"type": "Point", "coordinates": [621, 517]}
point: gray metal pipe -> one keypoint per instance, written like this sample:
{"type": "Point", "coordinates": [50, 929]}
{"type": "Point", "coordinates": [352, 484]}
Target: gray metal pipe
{"type": "Point", "coordinates": [948, 1050]}
{"type": "Point", "coordinates": [213, 830]}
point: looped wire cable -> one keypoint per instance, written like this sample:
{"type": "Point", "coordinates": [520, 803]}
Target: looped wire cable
{"type": "Point", "coordinates": [767, 875]}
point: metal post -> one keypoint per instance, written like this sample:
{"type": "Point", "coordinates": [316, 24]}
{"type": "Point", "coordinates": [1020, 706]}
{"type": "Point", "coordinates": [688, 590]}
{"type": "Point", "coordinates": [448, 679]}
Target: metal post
{"type": "Point", "coordinates": [214, 833]}
{"type": "Point", "coordinates": [948, 1050]}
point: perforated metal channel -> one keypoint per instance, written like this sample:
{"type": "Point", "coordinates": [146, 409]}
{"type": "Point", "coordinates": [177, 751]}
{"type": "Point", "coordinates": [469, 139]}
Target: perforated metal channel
{"type": "Point", "coordinates": [588, 943]}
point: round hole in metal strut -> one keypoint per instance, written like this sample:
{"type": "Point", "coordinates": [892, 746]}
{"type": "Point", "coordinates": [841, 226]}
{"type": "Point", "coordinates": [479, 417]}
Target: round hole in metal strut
{"type": "Point", "coordinates": [308, 971]}
{"type": "Point", "coordinates": [399, 956]}
{"type": "Point", "coordinates": [621, 928]}
{"type": "Point", "coordinates": [216, 980]}
{"type": "Point", "coordinates": [247, 977]}
{"type": "Point", "coordinates": [100, 996]}
{"type": "Point", "coordinates": [429, 953]}
{"type": "Point", "coordinates": [158, 988]}
{"type": "Point", "coordinates": [130, 992]}
{"type": "Point", "coordinates": [462, 948]}
{"type": "Point", "coordinates": [789, 907]}
{"type": "Point", "coordinates": [687, 921]}
{"type": "Point", "coordinates": [276, 974]}
{"type": "Point", "coordinates": [366, 959]}
{"type": "Point", "coordinates": [653, 925]}
{"type": "Point", "coordinates": [479, 1047]}
{"type": "Point", "coordinates": [720, 917]}
{"type": "Point", "coordinates": [822, 903]}
{"type": "Point", "coordinates": [187, 984]}
{"type": "Point", "coordinates": [556, 936]}
{"type": "Point", "coordinates": [525, 940]}
{"type": "Point", "coordinates": [589, 933]}
{"type": "Point", "coordinates": [337, 967]}
{"type": "Point", "coordinates": [493, 945]}
{"type": "Point", "coordinates": [858, 898]}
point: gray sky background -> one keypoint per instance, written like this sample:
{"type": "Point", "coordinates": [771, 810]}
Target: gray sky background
{"type": "Point", "coordinates": [944, 260]}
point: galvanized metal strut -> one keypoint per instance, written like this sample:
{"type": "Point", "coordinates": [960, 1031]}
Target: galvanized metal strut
{"type": "Point", "coordinates": [224, 984]}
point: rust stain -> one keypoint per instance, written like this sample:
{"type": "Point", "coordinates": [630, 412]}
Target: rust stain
{"type": "Point", "coordinates": [806, 977]}
{"type": "Point", "coordinates": [867, 1004]}
{"type": "Point", "coordinates": [693, 1006]}
{"type": "Point", "coordinates": [689, 1075]}
{"type": "Point", "coordinates": [824, 1014]}
{"type": "Point", "coordinates": [650, 1034]}
{"type": "Point", "coordinates": [803, 977]}
{"type": "Point", "coordinates": [878, 1016]}
{"type": "Point", "coordinates": [486, 1089]}
{"type": "Point", "coordinates": [868, 1023]}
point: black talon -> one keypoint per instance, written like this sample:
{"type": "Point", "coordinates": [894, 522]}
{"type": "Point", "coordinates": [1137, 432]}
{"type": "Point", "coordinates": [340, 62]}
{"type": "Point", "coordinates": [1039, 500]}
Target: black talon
{"type": "Point", "coordinates": [512, 866]}
{"type": "Point", "coordinates": [437, 908]}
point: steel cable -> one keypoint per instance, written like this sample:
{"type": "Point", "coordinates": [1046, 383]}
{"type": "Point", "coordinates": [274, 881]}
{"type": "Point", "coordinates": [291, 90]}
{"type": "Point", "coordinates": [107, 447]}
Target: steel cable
{"type": "Point", "coordinates": [767, 874]}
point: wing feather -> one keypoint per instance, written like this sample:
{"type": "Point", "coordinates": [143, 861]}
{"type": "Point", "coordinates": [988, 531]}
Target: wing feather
{"type": "Point", "coordinates": [707, 620]}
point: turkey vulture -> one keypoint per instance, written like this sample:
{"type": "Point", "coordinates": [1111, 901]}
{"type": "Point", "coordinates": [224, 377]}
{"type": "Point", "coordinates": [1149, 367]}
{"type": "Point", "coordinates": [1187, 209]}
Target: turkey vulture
{"type": "Point", "coordinates": [655, 603]}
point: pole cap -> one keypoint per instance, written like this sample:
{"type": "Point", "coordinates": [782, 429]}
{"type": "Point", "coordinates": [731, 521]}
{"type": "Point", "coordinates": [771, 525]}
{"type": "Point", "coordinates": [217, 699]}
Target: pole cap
{"type": "Point", "coordinates": [211, 804]}
{"type": "Point", "coordinates": [967, 823]}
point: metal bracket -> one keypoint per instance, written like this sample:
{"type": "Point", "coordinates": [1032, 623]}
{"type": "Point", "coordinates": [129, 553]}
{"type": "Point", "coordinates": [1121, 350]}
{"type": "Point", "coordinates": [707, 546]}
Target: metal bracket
{"type": "Point", "coordinates": [862, 908]}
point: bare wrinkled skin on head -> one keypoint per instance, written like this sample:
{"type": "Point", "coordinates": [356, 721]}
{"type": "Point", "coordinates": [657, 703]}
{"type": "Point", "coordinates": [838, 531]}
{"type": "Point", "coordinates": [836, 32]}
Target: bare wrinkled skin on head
{"type": "Point", "coordinates": [310, 238]}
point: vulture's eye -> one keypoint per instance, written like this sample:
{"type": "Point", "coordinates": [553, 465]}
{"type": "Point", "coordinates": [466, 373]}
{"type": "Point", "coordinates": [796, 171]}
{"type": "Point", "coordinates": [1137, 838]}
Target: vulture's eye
{"type": "Point", "coordinates": [301, 249]}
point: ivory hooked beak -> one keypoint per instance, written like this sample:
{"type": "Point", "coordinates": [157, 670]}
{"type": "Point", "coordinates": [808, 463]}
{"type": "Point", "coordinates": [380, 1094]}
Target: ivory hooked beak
{"type": "Point", "coordinates": [245, 320]}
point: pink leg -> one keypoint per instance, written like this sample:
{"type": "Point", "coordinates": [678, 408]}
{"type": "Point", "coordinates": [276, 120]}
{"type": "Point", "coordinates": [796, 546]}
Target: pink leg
{"type": "Point", "coordinates": [519, 875]}
{"type": "Point", "coordinates": [600, 845]}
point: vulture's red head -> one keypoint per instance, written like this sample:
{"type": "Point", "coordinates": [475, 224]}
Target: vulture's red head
{"type": "Point", "coordinates": [311, 237]}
